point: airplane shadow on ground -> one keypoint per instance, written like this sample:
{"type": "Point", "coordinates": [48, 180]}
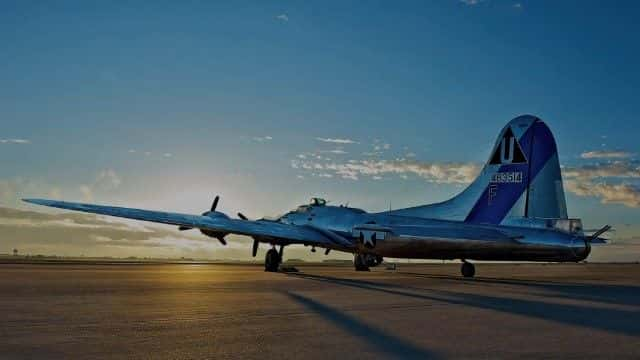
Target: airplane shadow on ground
{"type": "Point", "coordinates": [384, 343]}
{"type": "Point", "coordinates": [605, 293]}
{"type": "Point", "coordinates": [624, 322]}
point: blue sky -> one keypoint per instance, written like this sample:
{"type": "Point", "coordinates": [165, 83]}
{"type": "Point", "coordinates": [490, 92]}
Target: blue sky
{"type": "Point", "coordinates": [165, 104]}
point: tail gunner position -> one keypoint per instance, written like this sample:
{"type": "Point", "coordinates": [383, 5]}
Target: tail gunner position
{"type": "Point", "coordinates": [515, 210]}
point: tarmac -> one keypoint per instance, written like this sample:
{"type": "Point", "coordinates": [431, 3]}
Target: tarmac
{"type": "Point", "coordinates": [186, 311]}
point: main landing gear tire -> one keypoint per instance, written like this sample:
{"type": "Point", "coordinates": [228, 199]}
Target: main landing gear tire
{"type": "Point", "coordinates": [359, 263]}
{"type": "Point", "coordinates": [271, 261]}
{"type": "Point", "coordinates": [467, 269]}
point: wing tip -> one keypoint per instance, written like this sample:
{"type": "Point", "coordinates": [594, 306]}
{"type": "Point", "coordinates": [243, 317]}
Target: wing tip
{"type": "Point", "coordinates": [38, 201]}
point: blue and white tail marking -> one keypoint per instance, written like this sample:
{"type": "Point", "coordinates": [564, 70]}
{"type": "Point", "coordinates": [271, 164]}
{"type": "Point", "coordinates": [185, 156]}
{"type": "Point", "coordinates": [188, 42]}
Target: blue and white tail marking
{"type": "Point", "coordinates": [521, 179]}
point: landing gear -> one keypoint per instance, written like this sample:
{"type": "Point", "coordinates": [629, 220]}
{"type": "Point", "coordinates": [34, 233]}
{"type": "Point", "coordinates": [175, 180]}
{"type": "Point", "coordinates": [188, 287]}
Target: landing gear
{"type": "Point", "coordinates": [360, 262]}
{"type": "Point", "coordinates": [272, 260]}
{"type": "Point", "coordinates": [467, 269]}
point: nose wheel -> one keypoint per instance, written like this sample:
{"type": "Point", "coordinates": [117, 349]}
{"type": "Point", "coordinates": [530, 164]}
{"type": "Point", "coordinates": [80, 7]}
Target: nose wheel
{"type": "Point", "coordinates": [467, 269]}
{"type": "Point", "coordinates": [272, 260]}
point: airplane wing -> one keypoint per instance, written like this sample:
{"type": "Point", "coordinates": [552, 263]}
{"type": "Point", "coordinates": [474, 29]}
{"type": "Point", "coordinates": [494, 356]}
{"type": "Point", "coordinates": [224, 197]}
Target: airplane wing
{"type": "Point", "coordinates": [264, 229]}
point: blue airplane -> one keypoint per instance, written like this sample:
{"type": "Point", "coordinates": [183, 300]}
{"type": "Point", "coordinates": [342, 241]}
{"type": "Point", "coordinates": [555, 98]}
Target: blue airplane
{"type": "Point", "coordinates": [515, 210]}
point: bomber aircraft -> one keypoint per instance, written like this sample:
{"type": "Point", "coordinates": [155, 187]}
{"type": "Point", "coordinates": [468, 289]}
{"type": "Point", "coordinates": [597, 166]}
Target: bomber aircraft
{"type": "Point", "coordinates": [515, 210]}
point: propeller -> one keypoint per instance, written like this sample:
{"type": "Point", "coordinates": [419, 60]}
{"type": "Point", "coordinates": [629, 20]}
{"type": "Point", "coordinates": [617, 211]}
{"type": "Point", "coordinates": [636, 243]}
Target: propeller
{"type": "Point", "coordinates": [215, 203]}
{"type": "Point", "coordinates": [256, 243]}
{"type": "Point", "coordinates": [254, 249]}
{"type": "Point", "coordinates": [217, 235]}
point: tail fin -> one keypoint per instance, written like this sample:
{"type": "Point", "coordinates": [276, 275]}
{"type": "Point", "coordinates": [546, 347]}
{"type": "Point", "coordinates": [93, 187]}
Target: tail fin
{"type": "Point", "coordinates": [521, 179]}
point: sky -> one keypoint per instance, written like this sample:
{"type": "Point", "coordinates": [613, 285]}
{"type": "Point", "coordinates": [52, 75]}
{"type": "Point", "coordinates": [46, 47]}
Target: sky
{"type": "Point", "coordinates": [377, 104]}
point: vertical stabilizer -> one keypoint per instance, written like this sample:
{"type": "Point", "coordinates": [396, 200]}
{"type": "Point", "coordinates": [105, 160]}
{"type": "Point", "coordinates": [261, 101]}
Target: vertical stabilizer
{"type": "Point", "coordinates": [522, 178]}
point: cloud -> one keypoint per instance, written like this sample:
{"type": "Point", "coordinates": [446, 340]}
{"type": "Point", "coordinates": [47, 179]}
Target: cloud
{"type": "Point", "coordinates": [14, 141]}
{"type": "Point", "coordinates": [11, 191]}
{"type": "Point", "coordinates": [283, 17]}
{"type": "Point", "coordinates": [442, 173]}
{"type": "Point", "coordinates": [625, 194]}
{"type": "Point", "coordinates": [106, 180]}
{"type": "Point", "coordinates": [167, 155]}
{"type": "Point", "coordinates": [517, 5]}
{"type": "Point", "coordinates": [87, 193]}
{"type": "Point", "coordinates": [262, 138]}
{"type": "Point", "coordinates": [618, 169]}
{"type": "Point", "coordinates": [471, 2]}
{"type": "Point", "coordinates": [336, 141]}
{"type": "Point", "coordinates": [594, 180]}
{"type": "Point", "coordinates": [603, 154]}
{"type": "Point", "coordinates": [334, 151]}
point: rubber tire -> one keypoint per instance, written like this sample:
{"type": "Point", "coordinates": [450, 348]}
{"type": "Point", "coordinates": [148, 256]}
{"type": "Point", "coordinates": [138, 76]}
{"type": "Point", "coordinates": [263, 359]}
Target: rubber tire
{"type": "Point", "coordinates": [271, 261]}
{"type": "Point", "coordinates": [359, 264]}
{"type": "Point", "coordinates": [468, 270]}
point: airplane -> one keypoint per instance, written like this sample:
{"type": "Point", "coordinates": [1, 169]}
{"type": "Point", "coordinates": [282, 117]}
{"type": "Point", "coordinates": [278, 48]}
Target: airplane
{"type": "Point", "coordinates": [515, 210]}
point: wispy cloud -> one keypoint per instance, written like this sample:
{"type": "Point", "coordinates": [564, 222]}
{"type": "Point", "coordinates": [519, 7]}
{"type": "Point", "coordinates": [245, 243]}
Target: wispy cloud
{"type": "Point", "coordinates": [334, 151]}
{"type": "Point", "coordinates": [262, 138]}
{"type": "Point", "coordinates": [615, 169]}
{"type": "Point", "coordinates": [445, 173]}
{"type": "Point", "coordinates": [604, 154]}
{"type": "Point", "coordinates": [336, 140]}
{"type": "Point", "coordinates": [517, 5]}
{"type": "Point", "coordinates": [471, 2]}
{"type": "Point", "coordinates": [12, 190]}
{"type": "Point", "coordinates": [381, 147]}
{"type": "Point", "coordinates": [105, 181]}
{"type": "Point", "coordinates": [283, 17]}
{"type": "Point", "coordinates": [14, 141]}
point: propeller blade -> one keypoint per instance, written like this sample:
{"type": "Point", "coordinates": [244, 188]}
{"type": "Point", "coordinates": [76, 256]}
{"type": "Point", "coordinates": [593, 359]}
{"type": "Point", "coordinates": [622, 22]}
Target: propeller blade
{"type": "Point", "coordinates": [215, 203]}
{"type": "Point", "coordinates": [242, 216]}
{"type": "Point", "coordinates": [183, 228]}
{"type": "Point", "coordinates": [222, 240]}
{"type": "Point", "coordinates": [254, 250]}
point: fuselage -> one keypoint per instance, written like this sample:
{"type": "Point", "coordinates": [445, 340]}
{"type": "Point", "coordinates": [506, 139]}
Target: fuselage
{"type": "Point", "coordinates": [413, 237]}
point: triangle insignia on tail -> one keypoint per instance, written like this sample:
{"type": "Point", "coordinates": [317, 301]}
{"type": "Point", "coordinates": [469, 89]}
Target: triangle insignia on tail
{"type": "Point", "coordinates": [508, 151]}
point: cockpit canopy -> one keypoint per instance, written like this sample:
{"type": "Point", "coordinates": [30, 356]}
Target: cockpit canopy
{"type": "Point", "coordinates": [314, 202]}
{"type": "Point", "coordinates": [318, 202]}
